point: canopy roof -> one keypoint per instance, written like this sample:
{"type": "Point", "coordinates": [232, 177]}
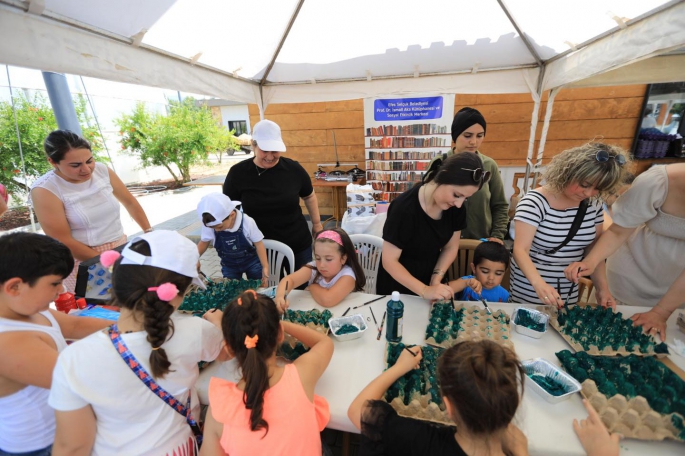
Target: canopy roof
{"type": "Point", "coordinates": [268, 51]}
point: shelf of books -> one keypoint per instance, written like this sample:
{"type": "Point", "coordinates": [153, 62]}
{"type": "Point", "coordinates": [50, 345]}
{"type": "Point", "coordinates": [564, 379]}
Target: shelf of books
{"type": "Point", "coordinates": [393, 163]}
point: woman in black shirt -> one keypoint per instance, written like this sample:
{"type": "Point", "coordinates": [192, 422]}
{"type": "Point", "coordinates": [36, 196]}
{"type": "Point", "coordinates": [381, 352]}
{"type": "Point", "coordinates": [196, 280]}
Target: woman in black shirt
{"type": "Point", "coordinates": [422, 231]}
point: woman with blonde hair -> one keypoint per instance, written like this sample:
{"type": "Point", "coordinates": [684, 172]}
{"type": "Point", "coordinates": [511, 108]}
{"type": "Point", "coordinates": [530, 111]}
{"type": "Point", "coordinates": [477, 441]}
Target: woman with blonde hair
{"type": "Point", "coordinates": [558, 222]}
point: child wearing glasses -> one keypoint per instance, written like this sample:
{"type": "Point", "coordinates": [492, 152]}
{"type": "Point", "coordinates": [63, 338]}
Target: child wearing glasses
{"type": "Point", "coordinates": [423, 227]}
{"type": "Point", "coordinates": [558, 222]}
{"type": "Point", "coordinates": [487, 216]}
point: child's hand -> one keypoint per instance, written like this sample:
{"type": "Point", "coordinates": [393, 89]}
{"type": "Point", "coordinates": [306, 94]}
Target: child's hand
{"type": "Point", "coordinates": [281, 303]}
{"type": "Point", "coordinates": [407, 361]}
{"type": "Point", "coordinates": [214, 316]}
{"type": "Point", "coordinates": [265, 276]}
{"type": "Point", "coordinates": [199, 266]}
{"type": "Point", "coordinates": [475, 285]}
{"type": "Point", "coordinates": [594, 437]}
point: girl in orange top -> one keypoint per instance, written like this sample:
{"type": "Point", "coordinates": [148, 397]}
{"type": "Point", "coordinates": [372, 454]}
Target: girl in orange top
{"type": "Point", "coordinates": [272, 409]}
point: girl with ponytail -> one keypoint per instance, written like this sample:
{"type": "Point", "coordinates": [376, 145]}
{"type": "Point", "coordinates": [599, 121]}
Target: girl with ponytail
{"type": "Point", "coordinates": [272, 409]}
{"type": "Point", "coordinates": [130, 387]}
{"type": "Point", "coordinates": [481, 384]}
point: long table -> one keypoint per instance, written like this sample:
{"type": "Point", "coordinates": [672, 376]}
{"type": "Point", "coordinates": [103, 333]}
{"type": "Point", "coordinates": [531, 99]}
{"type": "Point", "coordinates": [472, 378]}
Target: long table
{"type": "Point", "coordinates": [355, 363]}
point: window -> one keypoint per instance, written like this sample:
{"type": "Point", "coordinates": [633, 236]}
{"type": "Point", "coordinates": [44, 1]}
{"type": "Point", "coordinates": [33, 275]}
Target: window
{"type": "Point", "coordinates": [239, 126]}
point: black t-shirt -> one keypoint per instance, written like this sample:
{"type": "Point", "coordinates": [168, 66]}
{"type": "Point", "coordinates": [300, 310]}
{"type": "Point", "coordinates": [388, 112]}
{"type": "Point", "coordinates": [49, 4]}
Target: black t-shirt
{"type": "Point", "coordinates": [419, 237]}
{"type": "Point", "coordinates": [272, 198]}
{"type": "Point", "coordinates": [384, 432]}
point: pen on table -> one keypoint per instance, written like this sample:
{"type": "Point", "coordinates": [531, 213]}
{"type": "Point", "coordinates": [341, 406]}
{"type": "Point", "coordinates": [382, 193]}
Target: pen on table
{"type": "Point", "coordinates": [374, 317]}
{"type": "Point", "coordinates": [382, 323]}
{"type": "Point", "coordinates": [348, 309]}
{"type": "Point", "coordinates": [412, 353]}
{"type": "Point", "coordinates": [369, 302]}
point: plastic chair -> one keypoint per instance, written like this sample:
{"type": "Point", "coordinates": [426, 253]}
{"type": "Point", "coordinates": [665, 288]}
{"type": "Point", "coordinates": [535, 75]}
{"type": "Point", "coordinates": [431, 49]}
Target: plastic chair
{"type": "Point", "coordinates": [462, 263]}
{"type": "Point", "coordinates": [369, 250]}
{"type": "Point", "coordinates": [276, 251]}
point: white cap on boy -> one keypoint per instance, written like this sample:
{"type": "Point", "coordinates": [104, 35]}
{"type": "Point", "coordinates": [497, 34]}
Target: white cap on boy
{"type": "Point", "coordinates": [268, 136]}
{"type": "Point", "coordinates": [217, 205]}
{"type": "Point", "coordinates": [168, 250]}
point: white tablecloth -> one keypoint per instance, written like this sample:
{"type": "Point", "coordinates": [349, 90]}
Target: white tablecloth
{"type": "Point", "coordinates": [355, 363]}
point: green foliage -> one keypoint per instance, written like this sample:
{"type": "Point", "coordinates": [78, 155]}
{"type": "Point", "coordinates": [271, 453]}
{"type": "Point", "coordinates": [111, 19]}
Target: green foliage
{"type": "Point", "coordinates": [36, 120]}
{"type": "Point", "coordinates": [177, 141]}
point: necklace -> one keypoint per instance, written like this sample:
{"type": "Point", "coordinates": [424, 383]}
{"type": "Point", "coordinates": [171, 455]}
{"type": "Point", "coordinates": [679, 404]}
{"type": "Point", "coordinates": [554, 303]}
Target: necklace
{"type": "Point", "coordinates": [258, 173]}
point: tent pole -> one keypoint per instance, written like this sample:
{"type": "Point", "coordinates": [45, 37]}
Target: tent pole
{"type": "Point", "coordinates": [543, 135]}
{"type": "Point", "coordinates": [537, 97]}
{"type": "Point", "coordinates": [61, 101]}
{"type": "Point", "coordinates": [21, 151]}
{"type": "Point", "coordinates": [524, 38]}
{"type": "Point", "coordinates": [282, 42]}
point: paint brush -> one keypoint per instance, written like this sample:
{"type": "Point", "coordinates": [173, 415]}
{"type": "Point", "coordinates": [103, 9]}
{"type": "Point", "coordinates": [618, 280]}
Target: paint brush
{"type": "Point", "coordinates": [380, 331]}
{"type": "Point", "coordinates": [374, 317]}
{"type": "Point", "coordinates": [348, 309]}
{"type": "Point", "coordinates": [454, 306]}
{"type": "Point", "coordinates": [485, 303]}
{"type": "Point", "coordinates": [369, 302]}
{"type": "Point", "coordinates": [285, 298]}
{"type": "Point", "coordinates": [206, 278]}
{"type": "Point", "coordinates": [412, 353]}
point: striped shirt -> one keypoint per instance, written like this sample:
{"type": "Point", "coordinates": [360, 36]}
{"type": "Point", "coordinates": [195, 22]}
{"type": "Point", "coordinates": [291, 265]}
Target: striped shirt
{"type": "Point", "coordinates": [552, 227]}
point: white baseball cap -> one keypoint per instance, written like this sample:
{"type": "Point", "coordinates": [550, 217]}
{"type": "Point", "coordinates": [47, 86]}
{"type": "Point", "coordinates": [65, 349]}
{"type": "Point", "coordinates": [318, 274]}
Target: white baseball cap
{"type": "Point", "coordinates": [218, 206]}
{"type": "Point", "coordinates": [268, 136]}
{"type": "Point", "coordinates": [168, 250]}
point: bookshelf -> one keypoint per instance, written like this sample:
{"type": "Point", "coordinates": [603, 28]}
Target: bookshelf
{"type": "Point", "coordinates": [397, 156]}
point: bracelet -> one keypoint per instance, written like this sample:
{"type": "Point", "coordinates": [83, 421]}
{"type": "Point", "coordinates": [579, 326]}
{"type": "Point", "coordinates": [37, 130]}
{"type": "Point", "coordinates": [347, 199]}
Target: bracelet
{"type": "Point", "coordinates": [438, 272]}
{"type": "Point", "coordinates": [148, 230]}
{"type": "Point", "coordinates": [425, 287]}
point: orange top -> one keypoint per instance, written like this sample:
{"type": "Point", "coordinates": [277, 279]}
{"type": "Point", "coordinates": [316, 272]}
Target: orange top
{"type": "Point", "coordinates": [294, 421]}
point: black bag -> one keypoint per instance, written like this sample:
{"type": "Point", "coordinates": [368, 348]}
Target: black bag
{"type": "Point", "coordinates": [575, 226]}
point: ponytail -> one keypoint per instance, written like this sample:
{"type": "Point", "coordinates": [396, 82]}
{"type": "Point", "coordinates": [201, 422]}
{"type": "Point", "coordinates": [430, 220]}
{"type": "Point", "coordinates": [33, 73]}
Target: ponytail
{"type": "Point", "coordinates": [251, 327]}
{"type": "Point", "coordinates": [158, 325]}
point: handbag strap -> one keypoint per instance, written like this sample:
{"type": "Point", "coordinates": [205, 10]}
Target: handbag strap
{"type": "Point", "coordinates": [575, 226]}
{"type": "Point", "coordinates": [150, 382]}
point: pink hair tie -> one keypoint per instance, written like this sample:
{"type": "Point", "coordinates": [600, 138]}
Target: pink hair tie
{"type": "Point", "coordinates": [332, 235]}
{"type": "Point", "coordinates": [251, 342]}
{"type": "Point", "coordinates": [109, 257]}
{"type": "Point", "coordinates": [166, 291]}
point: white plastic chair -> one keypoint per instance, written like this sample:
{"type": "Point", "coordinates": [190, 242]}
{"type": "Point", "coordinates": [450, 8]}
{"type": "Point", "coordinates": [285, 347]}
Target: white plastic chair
{"type": "Point", "coordinates": [369, 250]}
{"type": "Point", "coordinates": [275, 252]}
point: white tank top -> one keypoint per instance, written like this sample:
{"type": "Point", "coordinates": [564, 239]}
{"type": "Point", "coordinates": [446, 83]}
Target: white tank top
{"type": "Point", "coordinates": [27, 422]}
{"type": "Point", "coordinates": [91, 208]}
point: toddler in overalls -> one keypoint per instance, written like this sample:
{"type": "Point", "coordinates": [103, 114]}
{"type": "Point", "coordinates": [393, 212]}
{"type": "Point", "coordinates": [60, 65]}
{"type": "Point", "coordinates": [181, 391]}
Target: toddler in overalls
{"type": "Point", "coordinates": [235, 236]}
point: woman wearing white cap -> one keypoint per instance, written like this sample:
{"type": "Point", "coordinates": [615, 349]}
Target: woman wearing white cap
{"type": "Point", "coordinates": [270, 188]}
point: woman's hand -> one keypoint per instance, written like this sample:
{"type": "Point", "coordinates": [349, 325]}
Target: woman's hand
{"type": "Point", "coordinates": [438, 292]}
{"type": "Point", "coordinates": [316, 228]}
{"type": "Point", "coordinates": [499, 241]}
{"type": "Point", "coordinates": [281, 303]}
{"type": "Point", "coordinates": [604, 298]}
{"type": "Point", "coordinates": [548, 294]}
{"type": "Point", "coordinates": [475, 285]}
{"type": "Point", "coordinates": [407, 362]}
{"type": "Point", "coordinates": [265, 276]}
{"type": "Point", "coordinates": [653, 321]}
{"type": "Point", "coordinates": [514, 441]}
{"type": "Point", "coordinates": [594, 437]}
{"type": "Point", "coordinates": [578, 269]}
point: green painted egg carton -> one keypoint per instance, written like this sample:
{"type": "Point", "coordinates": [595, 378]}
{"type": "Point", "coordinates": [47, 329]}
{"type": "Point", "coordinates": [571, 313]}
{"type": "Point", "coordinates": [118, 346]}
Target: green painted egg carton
{"type": "Point", "coordinates": [448, 325]}
{"type": "Point", "coordinates": [217, 295]}
{"type": "Point", "coordinates": [291, 348]}
{"type": "Point", "coordinates": [635, 396]}
{"type": "Point", "coordinates": [417, 393]}
{"type": "Point", "coordinates": [602, 332]}
{"type": "Point", "coordinates": [314, 319]}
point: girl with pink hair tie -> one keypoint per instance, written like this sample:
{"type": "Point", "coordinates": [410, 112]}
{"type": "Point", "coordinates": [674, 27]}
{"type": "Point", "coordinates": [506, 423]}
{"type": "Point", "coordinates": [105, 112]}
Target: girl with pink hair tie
{"type": "Point", "coordinates": [334, 274]}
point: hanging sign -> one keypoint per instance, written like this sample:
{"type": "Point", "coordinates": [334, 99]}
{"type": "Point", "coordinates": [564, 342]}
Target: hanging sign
{"type": "Point", "coordinates": [407, 108]}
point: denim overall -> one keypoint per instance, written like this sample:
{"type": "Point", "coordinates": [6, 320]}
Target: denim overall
{"type": "Point", "coordinates": [237, 255]}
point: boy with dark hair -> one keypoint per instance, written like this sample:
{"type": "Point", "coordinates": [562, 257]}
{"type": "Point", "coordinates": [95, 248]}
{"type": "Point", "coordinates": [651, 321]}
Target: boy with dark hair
{"type": "Point", "coordinates": [490, 262]}
{"type": "Point", "coordinates": [32, 268]}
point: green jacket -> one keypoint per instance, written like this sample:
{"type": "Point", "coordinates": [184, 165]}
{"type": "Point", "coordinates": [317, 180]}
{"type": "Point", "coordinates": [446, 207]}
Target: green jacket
{"type": "Point", "coordinates": [487, 209]}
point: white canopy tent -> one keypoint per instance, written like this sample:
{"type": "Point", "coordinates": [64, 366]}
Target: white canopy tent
{"type": "Point", "coordinates": [285, 51]}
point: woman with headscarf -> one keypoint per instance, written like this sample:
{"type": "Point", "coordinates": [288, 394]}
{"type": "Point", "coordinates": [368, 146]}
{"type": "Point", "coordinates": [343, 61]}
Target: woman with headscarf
{"type": "Point", "coordinates": [486, 210]}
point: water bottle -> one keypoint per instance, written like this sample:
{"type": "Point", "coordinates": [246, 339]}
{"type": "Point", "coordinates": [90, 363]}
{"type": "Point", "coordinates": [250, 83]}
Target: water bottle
{"type": "Point", "coordinates": [395, 311]}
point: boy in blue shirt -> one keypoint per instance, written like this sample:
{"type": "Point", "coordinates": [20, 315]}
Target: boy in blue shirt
{"type": "Point", "coordinates": [490, 262]}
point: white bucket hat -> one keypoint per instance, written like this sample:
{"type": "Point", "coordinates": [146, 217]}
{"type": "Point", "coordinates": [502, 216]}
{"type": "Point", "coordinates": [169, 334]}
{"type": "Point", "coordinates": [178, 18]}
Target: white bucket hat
{"type": "Point", "coordinates": [168, 250]}
{"type": "Point", "coordinates": [268, 136]}
{"type": "Point", "coordinates": [218, 206]}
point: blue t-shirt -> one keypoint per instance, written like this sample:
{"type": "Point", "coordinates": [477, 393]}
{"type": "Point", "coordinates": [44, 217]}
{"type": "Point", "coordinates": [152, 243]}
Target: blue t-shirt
{"type": "Point", "coordinates": [497, 294]}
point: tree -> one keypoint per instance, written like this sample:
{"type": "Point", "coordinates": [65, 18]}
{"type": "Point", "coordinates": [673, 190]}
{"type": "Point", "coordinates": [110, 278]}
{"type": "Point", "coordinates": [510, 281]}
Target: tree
{"type": "Point", "coordinates": [36, 120]}
{"type": "Point", "coordinates": [183, 138]}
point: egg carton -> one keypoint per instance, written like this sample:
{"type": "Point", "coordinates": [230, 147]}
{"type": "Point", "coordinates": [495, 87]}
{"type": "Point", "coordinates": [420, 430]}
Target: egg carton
{"type": "Point", "coordinates": [448, 325]}
{"type": "Point", "coordinates": [217, 294]}
{"type": "Point", "coordinates": [417, 393]}
{"type": "Point", "coordinates": [291, 348]}
{"type": "Point", "coordinates": [633, 418]}
{"type": "Point", "coordinates": [313, 319]}
{"type": "Point", "coordinates": [602, 332]}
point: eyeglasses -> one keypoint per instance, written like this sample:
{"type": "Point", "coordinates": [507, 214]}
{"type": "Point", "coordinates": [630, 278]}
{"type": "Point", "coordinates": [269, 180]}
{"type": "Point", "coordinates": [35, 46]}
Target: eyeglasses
{"type": "Point", "coordinates": [480, 176]}
{"type": "Point", "coordinates": [603, 156]}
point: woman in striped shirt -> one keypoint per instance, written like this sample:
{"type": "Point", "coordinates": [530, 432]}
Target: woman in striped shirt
{"type": "Point", "coordinates": [544, 217]}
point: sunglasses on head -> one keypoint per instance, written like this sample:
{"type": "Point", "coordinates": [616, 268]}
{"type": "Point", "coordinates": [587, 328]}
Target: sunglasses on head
{"type": "Point", "coordinates": [479, 176]}
{"type": "Point", "coordinates": [604, 156]}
